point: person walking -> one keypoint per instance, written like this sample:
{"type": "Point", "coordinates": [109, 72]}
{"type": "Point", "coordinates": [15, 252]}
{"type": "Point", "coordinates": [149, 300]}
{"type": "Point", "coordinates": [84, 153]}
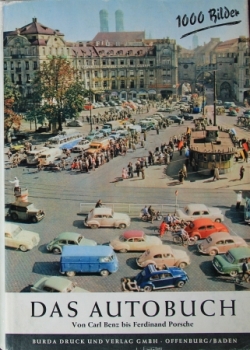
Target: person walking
{"type": "Point", "coordinates": [242, 170]}
{"type": "Point", "coordinates": [216, 174]}
{"type": "Point", "coordinates": [238, 200]}
{"type": "Point", "coordinates": [245, 270]}
{"type": "Point", "coordinates": [142, 172]}
{"type": "Point", "coordinates": [184, 170]}
{"type": "Point", "coordinates": [145, 136]}
{"type": "Point", "coordinates": [181, 176]}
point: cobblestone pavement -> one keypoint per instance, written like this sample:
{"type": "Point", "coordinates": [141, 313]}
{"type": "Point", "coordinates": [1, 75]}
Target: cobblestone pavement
{"type": "Point", "coordinates": [60, 195]}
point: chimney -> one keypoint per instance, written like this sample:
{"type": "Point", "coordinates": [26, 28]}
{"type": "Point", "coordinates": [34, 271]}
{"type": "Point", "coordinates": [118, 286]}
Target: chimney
{"type": "Point", "coordinates": [34, 20]}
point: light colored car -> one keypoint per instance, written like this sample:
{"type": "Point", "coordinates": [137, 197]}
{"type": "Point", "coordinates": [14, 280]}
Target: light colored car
{"type": "Point", "coordinates": [74, 123]}
{"type": "Point", "coordinates": [81, 146]}
{"type": "Point", "coordinates": [134, 240]}
{"type": "Point", "coordinates": [16, 237]}
{"type": "Point", "coordinates": [56, 284]}
{"type": "Point", "coordinates": [162, 256]}
{"type": "Point", "coordinates": [195, 211]}
{"type": "Point", "coordinates": [95, 135]}
{"type": "Point", "coordinates": [105, 217]}
{"type": "Point", "coordinates": [68, 238]}
{"type": "Point", "coordinates": [220, 243]}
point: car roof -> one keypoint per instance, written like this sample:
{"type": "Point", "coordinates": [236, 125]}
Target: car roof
{"type": "Point", "coordinates": [98, 250]}
{"type": "Point", "coordinates": [204, 221]}
{"type": "Point", "coordinates": [193, 206]}
{"type": "Point", "coordinates": [240, 252]}
{"type": "Point", "coordinates": [102, 211]}
{"type": "Point", "coordinates": [133, 233]}
{"type": "Point", "coordinates": [21, 204]}
{"type": "Point", "coordinates": [57, 282]}
{"type": "Point", "coordinates": [67, 235]}
{"type": "Point", "coordinates": [9, 227]}
{"type": "Point", "coordinates": [163, 248]}
{"type": "Point", "coordinates": [218, 235]}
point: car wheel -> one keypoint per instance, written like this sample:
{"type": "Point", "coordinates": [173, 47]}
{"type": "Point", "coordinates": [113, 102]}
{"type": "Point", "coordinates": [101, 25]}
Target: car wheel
{"type": "Point", "coordinates": [196, 237]}
{"type": "Point", "coordinates": [233, 273]}
{"type": "Point", "coordinates": [123, 250]}
{"type": "Point", "coordinates": [70, 273]}
{"type": "Point", "coordinates": [217, 220]}
{"type": "Point", "coordinates": [159, 217]}
{"type": "Point", "coordinates": [148, 288]}
{"type": "Point", "coordinates": [182, 265]}
{"type": "Point", "coordinates": [180, 284]}
{"type": "Point", "coordinates": [56, 251]}
{"type": "Point", "coordinates": [122, 226]}
{"type": "Point", "coordinates": [34, 219]}
{"type": "Point", "coordinates": [14, 216]}
{"type": "Point", "coordinates": [212, 252]}
{"type": "Point", "coordinates": [93, 226]}
{"type": "Point", "coordinates": [23, 248]}
{"type": "Point", "coordinates": [104, 273]}
{"type": "Point", "coordinates": [177, 239]}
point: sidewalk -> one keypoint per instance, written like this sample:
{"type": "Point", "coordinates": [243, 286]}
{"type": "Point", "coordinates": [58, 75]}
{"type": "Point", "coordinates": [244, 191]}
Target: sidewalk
{"type": "Point", "coordinates": [160, 176]}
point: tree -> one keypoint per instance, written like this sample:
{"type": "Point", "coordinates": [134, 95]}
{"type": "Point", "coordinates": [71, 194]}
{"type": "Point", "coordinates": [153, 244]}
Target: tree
{"type": "Point", "coordinates": [11, 119]}
{"type": "Point", "coordinates": [61, 93]}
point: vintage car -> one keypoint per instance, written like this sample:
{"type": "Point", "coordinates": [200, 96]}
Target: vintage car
{"type": "Point", "coordinates": [17, 146]}
{"type": "Point", "coordinates": [68, 238]}
{"type": "Point", "coordinates": [105, 217]}
{"type": "Point", "coordinates": [94, 135]}
{"type": "Point", "coordinates": [74, 123]}
{"type": "Point", "coordinates": [202, 228]}
{"type": "Point", "coordinates": [134, 240]}
{"type": "Point", "coordinates": [247, 210]}
{"type": "Point", "coordinates": [151, 279]}
{"type": "Point", "coordinates": [233, 113]}
{"type": "Point", "coordinates": [16, 237]}
{"type": "Point", "coordinates": [162, 256]}
{"type": "Point", "coordinates": [25, 211]}
{"type": "Point", "coordinates": [219, 243]}
{"type": "Point", "coordinates": [195, 211]}
{"type": "Point", "coordinates": [56, 284]}
{"type": "Point", "coordinates": [231, 262]}
{"type": "Point", "coordinates": [81, 146]}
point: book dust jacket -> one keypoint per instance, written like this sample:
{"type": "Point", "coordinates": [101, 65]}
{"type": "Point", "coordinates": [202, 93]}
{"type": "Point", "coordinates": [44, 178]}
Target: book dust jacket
{"type": "Point", "coordinates": [125, 174]}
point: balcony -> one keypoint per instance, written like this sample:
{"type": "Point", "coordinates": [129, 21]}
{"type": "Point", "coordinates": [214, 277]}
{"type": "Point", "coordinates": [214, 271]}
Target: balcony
{"type": "Point", "coordinates": [18, 70]}
{"type": "Point", "coordinates": [18, 56]}
{"type": "Point", "coordinates": [246, 86]}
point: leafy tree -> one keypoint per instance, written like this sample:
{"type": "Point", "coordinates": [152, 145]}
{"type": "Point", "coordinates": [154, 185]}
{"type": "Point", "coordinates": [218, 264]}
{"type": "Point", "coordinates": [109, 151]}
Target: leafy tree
{"type": "Point", "coordinates": [11, 95]}
{"type": "Point", "coordinates": [61, 93]}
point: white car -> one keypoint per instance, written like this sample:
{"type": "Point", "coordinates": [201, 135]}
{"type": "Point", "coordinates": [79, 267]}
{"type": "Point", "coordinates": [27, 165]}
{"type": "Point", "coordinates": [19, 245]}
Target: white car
{"type": "Point", "coordinates": [81, 146]}
{"type": "Point", "coordinates": [195, 211]}
{"type": "Point", "coordinates": [16, 237]}
{"type": "Point", "coordinates": [56, 284]}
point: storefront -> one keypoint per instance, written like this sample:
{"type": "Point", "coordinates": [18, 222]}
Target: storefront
{"type": "Point", "coordinates": [142, 94]}
{"type": "Point", "coordinates": [152, 94]}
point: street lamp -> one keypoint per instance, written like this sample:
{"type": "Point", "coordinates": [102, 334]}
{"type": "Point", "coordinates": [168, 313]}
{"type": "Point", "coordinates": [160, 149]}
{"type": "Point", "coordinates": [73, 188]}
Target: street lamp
{"type": "Point", "coordinates": [90, 107]}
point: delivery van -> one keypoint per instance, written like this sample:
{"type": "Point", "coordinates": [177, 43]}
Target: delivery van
{"type": "Point", "coordinates": [88, 259]}
{"type": "Point", "coordinates": [98, 146]}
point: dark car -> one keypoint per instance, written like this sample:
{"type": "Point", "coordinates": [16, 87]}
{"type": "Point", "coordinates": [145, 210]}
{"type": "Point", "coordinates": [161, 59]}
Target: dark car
{"type": "Point", "coordinates": [147, 127]}
{"type": "Point", "coordinates": [174, 118]}
{"type": "Point", "coordinates": [150, 278]}
{"type": "Point", "coordinates": [25, 211]}
{"type": "Point", "coordinates": [186, 116]}
{"type": "Point", "coordinates": [19, 136]}
{"type": "Point", "coordinates": [44, 128]}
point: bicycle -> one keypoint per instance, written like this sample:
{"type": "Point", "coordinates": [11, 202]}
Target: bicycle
{"type": "Point", "coordinates": [183, 239]}
{"type": "Point", "coordinates": [244, 278]}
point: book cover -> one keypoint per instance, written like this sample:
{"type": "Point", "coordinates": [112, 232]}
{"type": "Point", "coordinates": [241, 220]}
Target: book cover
{"type": "Point", "coordinates": [125, 174]}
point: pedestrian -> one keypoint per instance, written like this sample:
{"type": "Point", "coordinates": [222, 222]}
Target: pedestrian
{"type": "Point", "coordinates": [216, 173]}
{"type": "Point", "coordinates": [238, 200]}
{"type": "Point", "coordinates": [184, 170]}
{"type": "Point", "coordinates": [245, 270]}
{"type": "Point", "coordinates": [16, 184]}
{"type": "Point", "coordinates": [137, 167]}
{"type": "Point", "coordinates": [142, 143]}
{"type": "Point", "coordinates": [242, 169]}
{"type": "Point", "coordinates": [157, 130]}
{"type": "Point", "coordinates": [124, 174]}
{"type": "Point", "coordinates": [142, 172]}
{"type": "Point", "coordinates": [145, 136]}
{"type": "Point", "coordinates": [181, 176]}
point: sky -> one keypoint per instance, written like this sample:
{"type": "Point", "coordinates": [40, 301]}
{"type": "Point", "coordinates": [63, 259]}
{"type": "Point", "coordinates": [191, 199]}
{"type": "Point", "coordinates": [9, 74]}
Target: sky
{"type": "Point", "coordinates": [79, 19]}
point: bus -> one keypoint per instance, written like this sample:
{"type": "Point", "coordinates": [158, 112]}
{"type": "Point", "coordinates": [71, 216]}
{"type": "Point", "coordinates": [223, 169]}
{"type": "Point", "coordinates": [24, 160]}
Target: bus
{"type": "Point", "coordinates": [66, 140]}
{"type": "Point", "coordinates": [32, 156]}
{"type": "Point", "coordinates": [49, 156]}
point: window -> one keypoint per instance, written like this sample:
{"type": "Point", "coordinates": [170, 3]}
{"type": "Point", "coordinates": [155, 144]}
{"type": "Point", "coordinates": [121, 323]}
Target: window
{"type": "Point", "coordinates": [131, 62]}
{"type": "Point", "coordinates": [96, 74]}
{"type": "Point", "coordinates": [131, 73]}
{"type": "Point", "coordinates": [196, 213]}
{"type": "Point", "coordinates": [27, 65]}
{"type": "Point", "coordinates": [202, 228]}
{"type": "Point", "coordinates": [141, 62]}
{"type": "Point", "coordinates": [11, 65]}
{"type": "Point", "coordinates": [122, 73]}
{"type": "Point", "coordinates": [87, 74]}
{"type": "Point", "coordinates": [151, 63]}
{"type": "Point", "coordinates": [104, 62]}
{"type": "Point", "coordinates": [112, 74]}
{"type": "Point", "coordinates": [132, 84]}
{"type": "Point", "coordinates": [104, 73]}
{"type": "Point", "coordinates": [121, 62]}
{"type": "Point", "coordinates": [151, 73]}
{"type": "Point", "coordinates": [95, 62]}
{"type": "Point", "coordinates": [35, 65]}
{"type": "Point", "coordinates": [141, 83]}
{"type": "Point", "coordinates": [112, 63]}
{"type": "Point", "coordinates": [105, 83]}
{"type": "Point", "coordinates": [96, 84]}
{"type": "Point", "coordinates": [28, 78]}
{"type": "Point", "coordinates": [210, 227]}
{"type": "Point", "coordinates": [113, 85]}
{"type": "Point", "coordinates": [229, 241]}
{"type": "Point", "coordinates": [247, 71]}
{"type": "Point", "coordinates": [141, 73]}
{"type": "Point", "coordinates": [43, 50]}
{"type": "Point", "coordinates": [122, 84]}
{"type": "Point", "coordinates": [12, 78]}
{"type": "Point", "coordinates": [5, 65]}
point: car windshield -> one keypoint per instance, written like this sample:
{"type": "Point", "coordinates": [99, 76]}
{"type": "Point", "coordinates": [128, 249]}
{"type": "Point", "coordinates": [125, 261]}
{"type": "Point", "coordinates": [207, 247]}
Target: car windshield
{"type": "Point", "coordinates": [106, 258]}
{"type": "Point", "coordinates": [16, 231]}
{"type": "Point", "coordinates": [209, 239]}
{"type": "Point", "coordinates": [230, 258]}
{"type": "Point", "coordinates": [122, 238]}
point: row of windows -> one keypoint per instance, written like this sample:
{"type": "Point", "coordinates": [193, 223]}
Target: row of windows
{"type": "Point", "coordinates": [89, 62]}
{"type": "Point", "coordinates": [18, 65]}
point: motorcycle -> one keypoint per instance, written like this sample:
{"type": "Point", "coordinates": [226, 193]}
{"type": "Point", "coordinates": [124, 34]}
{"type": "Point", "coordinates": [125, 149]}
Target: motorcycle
{"type": "Point", "coordinates": [156, 216]}
{"type": "Point", "coordinates": [184, 239]}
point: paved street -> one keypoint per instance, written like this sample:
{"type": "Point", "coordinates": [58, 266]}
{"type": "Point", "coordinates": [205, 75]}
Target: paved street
{"type": "Point", "coordinates": [60, 195]}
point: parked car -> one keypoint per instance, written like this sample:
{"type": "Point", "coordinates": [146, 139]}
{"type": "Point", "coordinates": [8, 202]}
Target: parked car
{"type": "Point", "coordinates": [186, 116]}
{"type": "Point", "coordinates": [134, 240]}
{"type": "Point", "coordinates": [220, 243]}
{"type": "Point", "coordinates": [56, 284]}
{"type": "Point", "coordinates": [81, 146]}
{"type": "Point", "coordinates": [25, 211]}
{"type": "Point", "coordinates": [247, 211]}
{"type": "Point", "coordinates": [95, 135]}
{"type": "Point", "coordinates": [162, 256]}
{"type": "Point", "coordinates": [174, 118]}
{"type": "Point", "coordinates": [194, 211]}
{"type": "Point", "coordinates": [227, 105]}
{"type": "Point", "coordinates": [19, 136]}
{"type": "Point", "coordinates": [43, 128]}
{"type": "Point", "coordinates": [16, 237]}
{"type": "Point", "coordinates": [202, 228]}
{"type": "Point", "coordinates": [68, 238]}
{"type": "Point", "coordinates": [74, 123]}
{"type": "Point", "coordinates": [17, 146]}
{"type": "Point", "coordinates": [231, 262]}
{"type": "Point", "coordinates": [233, 113]}
{"type": "Point", "coordinates": [105, 217]}
{"type": "Point", "coordinates": [151, 279]}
